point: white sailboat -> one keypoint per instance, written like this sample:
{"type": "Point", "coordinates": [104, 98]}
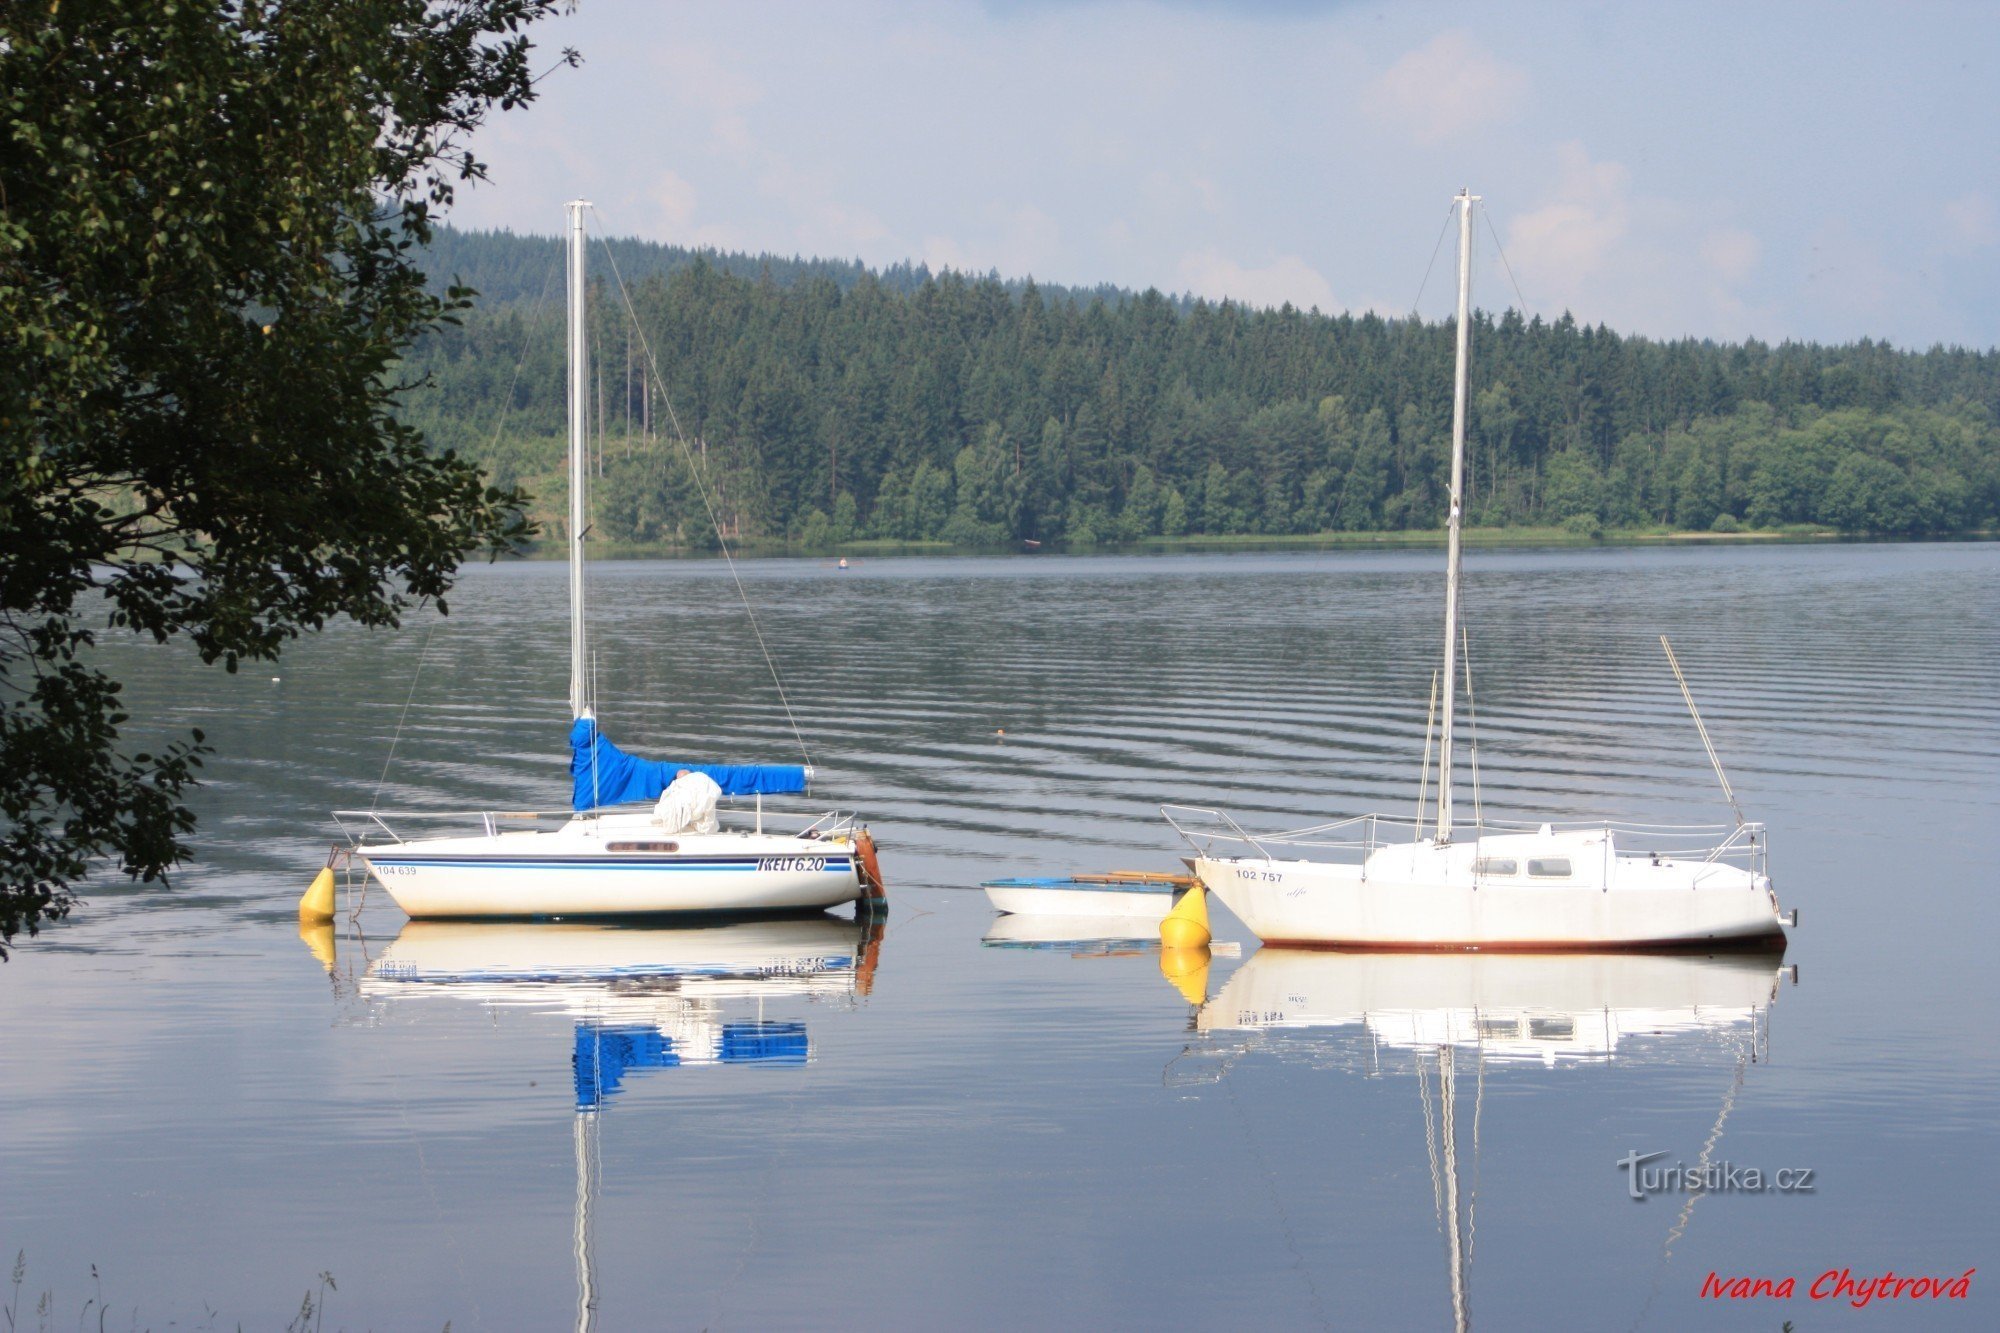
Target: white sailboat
{"type": "Point", "coordinates": [1382, 882]}
{"type": "Point", "coordinates": [605, 857]}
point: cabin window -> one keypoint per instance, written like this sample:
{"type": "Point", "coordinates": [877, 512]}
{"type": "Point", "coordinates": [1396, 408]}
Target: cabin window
{"type": "Point", "coordinates": [1552, 1029]}
{"type": "Point", "coordinates": [644, 846]}
{"type": "Point", "coordinates": [1549, 867]}
{"type": "Point", "coordinates": [1496, 865]}
{"type": "Point", "coordinates": [1499, 1029]}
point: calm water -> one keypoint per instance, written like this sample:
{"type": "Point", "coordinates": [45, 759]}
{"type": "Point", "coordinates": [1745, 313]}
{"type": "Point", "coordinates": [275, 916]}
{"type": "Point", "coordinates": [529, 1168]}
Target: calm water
{"type": "Point", "coordinates": [815, 1128]}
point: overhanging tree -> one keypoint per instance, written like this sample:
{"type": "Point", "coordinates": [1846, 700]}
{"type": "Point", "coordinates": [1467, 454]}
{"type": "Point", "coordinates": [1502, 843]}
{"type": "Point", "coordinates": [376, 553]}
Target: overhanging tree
{"type": "Point", "coordinates": [209, 217]}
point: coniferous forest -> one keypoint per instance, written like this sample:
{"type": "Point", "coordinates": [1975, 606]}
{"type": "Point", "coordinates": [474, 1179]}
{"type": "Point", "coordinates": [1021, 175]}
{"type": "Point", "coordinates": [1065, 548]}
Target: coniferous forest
{"type": "Point", "coordinates": [826, 403]}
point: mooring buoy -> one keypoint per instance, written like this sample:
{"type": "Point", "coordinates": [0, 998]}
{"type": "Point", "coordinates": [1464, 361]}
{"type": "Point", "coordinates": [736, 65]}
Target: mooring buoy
{"type": "Point", "coordinates": [1186, 926]}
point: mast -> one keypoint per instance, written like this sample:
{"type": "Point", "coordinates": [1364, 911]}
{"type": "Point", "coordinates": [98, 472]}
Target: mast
{"type": "Point", "coordinates": [579, 421]}
{"type": "Point", "coordinates": [1465, 201]}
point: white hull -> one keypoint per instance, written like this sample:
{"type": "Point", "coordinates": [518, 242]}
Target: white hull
{"type": "Point", "coordinates": [1141, 896]}
{"type": "Point", "coordinates": [614, 866]}
{"type": "Point", "coordinates": [1420, 896]}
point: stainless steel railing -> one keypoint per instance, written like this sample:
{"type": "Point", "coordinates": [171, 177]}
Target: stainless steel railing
{"type": "Point", "coordinates": [359, 826]}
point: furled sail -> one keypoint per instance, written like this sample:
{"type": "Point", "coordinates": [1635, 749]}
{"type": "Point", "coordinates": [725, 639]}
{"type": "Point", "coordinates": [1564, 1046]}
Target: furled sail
{"type": "Point", "coordinates": [604, 775]}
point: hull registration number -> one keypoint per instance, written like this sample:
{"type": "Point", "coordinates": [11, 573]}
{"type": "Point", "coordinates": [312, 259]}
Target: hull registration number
{"type": "Point", "coordinates": [791, 863]}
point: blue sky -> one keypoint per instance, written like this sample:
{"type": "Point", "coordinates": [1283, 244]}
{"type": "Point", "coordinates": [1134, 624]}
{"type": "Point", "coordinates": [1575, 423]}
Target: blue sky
{"type": "Point", "coordinates": [1817, 172]}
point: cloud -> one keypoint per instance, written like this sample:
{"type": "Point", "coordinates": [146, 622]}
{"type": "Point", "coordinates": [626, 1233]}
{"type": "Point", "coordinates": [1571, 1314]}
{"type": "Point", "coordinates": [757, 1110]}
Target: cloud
{"type": "Point", "coordinates": [1019, 241]}
{"type": "Point", "coordinates": [1732, 252]}
{"type": "Point", "coordinates": [1562, 245]}
{"type": "Point", "coordinates": [1595, 247]}
{"type": "Point", "coordinates": [942, 252]}
{"type": "Point", "coordinates": [675, 200]}
{"type": "Point", "coordinates": [1972, 220]}
{"type": "Point", "coordinates": [1445, 87]}
{"type": "Point", "coordinates": [696, 77]}
{"type": "Point", "coordinates": [1211, 274]}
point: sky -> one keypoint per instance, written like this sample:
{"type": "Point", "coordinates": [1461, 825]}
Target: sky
{"type": "Point", "coordinates": [1819, 172]}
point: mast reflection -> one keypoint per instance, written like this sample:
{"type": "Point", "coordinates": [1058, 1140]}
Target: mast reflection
{"type": "Point", "coordinates": [1435, 1014]}
{"type": "Point", "coordinates": [642, 998]}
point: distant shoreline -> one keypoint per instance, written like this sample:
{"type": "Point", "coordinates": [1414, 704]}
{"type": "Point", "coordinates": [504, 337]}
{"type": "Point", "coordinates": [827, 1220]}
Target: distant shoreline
{"type": "Point", "coordinates": [775, 548]}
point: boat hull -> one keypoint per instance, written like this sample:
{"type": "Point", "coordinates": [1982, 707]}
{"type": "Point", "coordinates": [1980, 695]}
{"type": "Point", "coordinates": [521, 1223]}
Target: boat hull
{"type": "Point", "coordinates": [1069, 899]}
{"type": "Point", "coordinates": [1331, 905]}
{"type": "Point", "coordinates": [1140, 894]}
{"type": "Point", "coordinates": [573, 875]}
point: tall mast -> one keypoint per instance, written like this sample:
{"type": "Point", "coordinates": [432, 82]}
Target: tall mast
{"type": "Point", "coordinates": [1465, 201]}
{"type": "Point", "coordinates": [579, 420]}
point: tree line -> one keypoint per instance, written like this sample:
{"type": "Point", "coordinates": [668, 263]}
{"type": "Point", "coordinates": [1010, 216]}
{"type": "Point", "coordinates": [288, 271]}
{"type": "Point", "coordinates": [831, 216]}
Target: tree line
{"type": "Point", "coordinates": [823, 402]}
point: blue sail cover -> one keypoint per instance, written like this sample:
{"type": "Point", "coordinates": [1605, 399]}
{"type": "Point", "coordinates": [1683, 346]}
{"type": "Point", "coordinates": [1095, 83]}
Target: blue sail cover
{"type": "Point", "coordinates": [619, 777]}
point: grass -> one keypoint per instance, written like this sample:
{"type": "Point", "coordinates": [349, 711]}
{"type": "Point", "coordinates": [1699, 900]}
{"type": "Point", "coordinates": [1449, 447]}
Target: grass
{"type": "Point", "coordinates": [310, 1318]}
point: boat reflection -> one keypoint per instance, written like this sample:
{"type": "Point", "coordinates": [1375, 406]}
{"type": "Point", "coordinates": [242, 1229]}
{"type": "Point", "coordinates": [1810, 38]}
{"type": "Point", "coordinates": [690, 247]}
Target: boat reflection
{"type": "Point", "coordinates": [681, 979]}
{"type": "Point", "coordinates": [1432, 1015]}
{"type": "Point", "coordinates": [1547, 1008]}
{"type": "Point", "coordinates": [642, 998]}
{"type": "Point", "coordinates": [1116, 936]}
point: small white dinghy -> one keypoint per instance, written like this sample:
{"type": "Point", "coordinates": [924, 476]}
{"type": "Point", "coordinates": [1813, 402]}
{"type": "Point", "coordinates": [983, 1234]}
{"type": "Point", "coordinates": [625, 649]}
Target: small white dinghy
{"type": "Point", "coordinates": [609, 856]}
{"type": "Point", "coordinates": [1380, 882]}
{"type": "Point", "coordinates": [1127, 895]}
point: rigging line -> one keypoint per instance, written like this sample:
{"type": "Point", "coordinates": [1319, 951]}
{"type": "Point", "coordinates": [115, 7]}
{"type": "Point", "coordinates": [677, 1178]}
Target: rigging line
{"type": "Point", "coordinates": [1472, 723]}
{"type": "Point", "coordinates": [1430, 1139]}
{"type": "Point", "coordinates": [1686, 1216]}
{"type": "Point", "coordinates": [1472, 1204]}
{"type": "Point", "coordinates": [1688, 694]}
{"type": "Point", "coordinates": [403, 717]}
{"type": "Point", "coordinates": [1435, 250]}
{"type": "Point", "coordinates": [539, 309]}
{"type": "Point", "coordinates": [1707, 1153]}
{"type": "Point", "coordinates": [499, 426]}
{"type": "Point", "coordinates": [1519, 299]}
{"type": "Point", "coordinates": [1278, 1206]}
{"type": "Point", "coordinates": [1424, 779]}
{"type": "Point", "coordinates": [701, 488]}
{"type": "Point", "coordinates": [437, 1210]}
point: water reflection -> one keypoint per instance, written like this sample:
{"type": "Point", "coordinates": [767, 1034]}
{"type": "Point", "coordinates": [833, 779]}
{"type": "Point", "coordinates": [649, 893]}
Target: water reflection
{"type": "Point", "coordinates": [1431, 1015]}
{"type": "Point", "coordinates": [642, 999]}
{"type": "Point", "coordinates": [683, 980]}
{"type": "Point", "coordinates": [1550, 1009]}
{"type": "Point", "coordinates": [1118, 936]}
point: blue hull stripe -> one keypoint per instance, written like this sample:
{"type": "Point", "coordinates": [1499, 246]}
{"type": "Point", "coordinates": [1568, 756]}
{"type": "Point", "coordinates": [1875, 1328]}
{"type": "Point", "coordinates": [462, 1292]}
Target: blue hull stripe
{"type": "Point", "coordinates": [837, 866]}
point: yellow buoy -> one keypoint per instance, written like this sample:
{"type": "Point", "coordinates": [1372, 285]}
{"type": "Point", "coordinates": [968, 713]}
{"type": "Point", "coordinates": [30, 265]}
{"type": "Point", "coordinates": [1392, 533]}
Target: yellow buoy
{"type": "Point", "coordinates": [1186, 927]}
{"type": "Point", "coordinates": [318, 936]}
{"type": "Point", "coordinates": [1187, 969]}
{"type": "Point", "coordinates": [317, 904]}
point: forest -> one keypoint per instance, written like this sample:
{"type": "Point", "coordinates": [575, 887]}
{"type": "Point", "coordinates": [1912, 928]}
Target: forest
{"type": "Point", "coordinates": [823, 403]}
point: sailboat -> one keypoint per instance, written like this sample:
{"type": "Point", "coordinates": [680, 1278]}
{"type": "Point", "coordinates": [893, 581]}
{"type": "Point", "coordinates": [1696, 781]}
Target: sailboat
{"type": "Point", "coordinates": [609, 857]}
{"type": "Point", "coordinates": [1381, 882]}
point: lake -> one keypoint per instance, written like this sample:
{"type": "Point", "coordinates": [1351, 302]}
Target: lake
{"type": "Point", "coordinates": [812, 1124]}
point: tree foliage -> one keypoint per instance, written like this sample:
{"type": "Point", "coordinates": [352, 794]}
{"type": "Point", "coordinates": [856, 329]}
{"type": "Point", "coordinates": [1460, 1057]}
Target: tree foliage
{"type": "Point", "coordinates": [941, 407]}
{"type": "Point", "coordinates": [211, 216]}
